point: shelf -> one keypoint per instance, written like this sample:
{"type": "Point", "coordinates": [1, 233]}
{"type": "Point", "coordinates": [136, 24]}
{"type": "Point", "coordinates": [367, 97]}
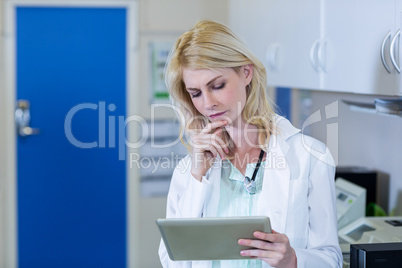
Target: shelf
{"type": "Point", "coordinates": [367, 108]}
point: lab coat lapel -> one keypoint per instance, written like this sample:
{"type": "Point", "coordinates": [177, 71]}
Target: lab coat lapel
{"type": "Point", "coordinates": [211, 207]}
{"type": "Point", "coordinates": [275, 188]}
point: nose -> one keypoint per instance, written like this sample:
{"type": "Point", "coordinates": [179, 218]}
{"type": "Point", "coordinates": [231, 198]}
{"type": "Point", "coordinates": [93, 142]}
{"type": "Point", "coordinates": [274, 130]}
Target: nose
{"type": "Point", "coordinates": [210, 102]}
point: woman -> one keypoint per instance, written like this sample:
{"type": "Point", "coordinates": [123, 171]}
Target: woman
{"type": "Point", "coordinates": [219, 89]}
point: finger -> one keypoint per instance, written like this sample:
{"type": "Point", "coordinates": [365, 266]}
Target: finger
{"type": "Point", "coordinates": [218, 141]}
{"type": "Point", "coordinates": [210, 149]}
{"type": "Point", "coordinates": [201, 141]}
{"type": "Point", "coordinates": [205, 139]}
{"type": "Point", "coordinates": [218, 149]}
{"type": "Point", "coordinates": [258, 244]}
{"type": "Point", "coordinates": [272, 237]}
{"type": "Point", "coordinates": [260, 253]}
{"type": "Point", "coordinates": [218, 133]}
{"type": "Point", "coordinates": [211, 126]}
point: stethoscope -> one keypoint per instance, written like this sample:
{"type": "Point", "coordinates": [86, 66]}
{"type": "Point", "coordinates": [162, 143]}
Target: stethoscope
{"type": "Point", "coordinates": [250, 183]}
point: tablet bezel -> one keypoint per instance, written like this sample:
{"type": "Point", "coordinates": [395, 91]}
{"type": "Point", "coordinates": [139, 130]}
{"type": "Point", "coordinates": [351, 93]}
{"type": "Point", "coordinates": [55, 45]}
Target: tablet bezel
{"type": "Point", "coordinates": [216, 237]}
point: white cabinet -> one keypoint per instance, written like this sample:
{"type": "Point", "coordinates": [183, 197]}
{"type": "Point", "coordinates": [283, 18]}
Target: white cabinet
{"type": "Point", "coordinates": [325, 45]}
{"type": "Point", "coordinates": [277, 50]}
{"type": "Point", "coordinates": [321, 51]}
{"type": "Point", "coordinates": [275, 31]}
{"type": "Point", "coordinates": [398, 23]}
{"type": "Point", "coordinates": [336, 51]}
{"type": "Point", "coordinates": [273, 45]}
{"type": "Point", "coordinates": [374, 31]}
{"type": "Point", "coordinates": [308, 59]}
{"type": "Point", "coordinates": [348, 51]}
{"type": "Point", "coordinates": [288, 37]}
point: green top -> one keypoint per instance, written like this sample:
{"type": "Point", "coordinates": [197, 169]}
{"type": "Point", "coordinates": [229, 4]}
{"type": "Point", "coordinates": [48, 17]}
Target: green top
{"type": "Point", "coordinates": [236, 201]}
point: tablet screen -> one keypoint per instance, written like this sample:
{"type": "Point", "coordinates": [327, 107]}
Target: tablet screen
{"type": "Point", "coordinates": [209, 238]}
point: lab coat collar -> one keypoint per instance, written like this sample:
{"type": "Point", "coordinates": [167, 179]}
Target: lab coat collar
{"type": "Point", "coordinates": [283, 128]}
{"type": "Point", "coordinates": [276, 178]}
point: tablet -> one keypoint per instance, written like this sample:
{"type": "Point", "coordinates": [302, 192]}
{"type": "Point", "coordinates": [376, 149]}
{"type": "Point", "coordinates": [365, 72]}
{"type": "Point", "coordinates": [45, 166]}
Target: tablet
{"type": "Point", "coordinates": [209, 238]}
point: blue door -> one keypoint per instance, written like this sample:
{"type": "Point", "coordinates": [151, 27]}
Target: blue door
{"type": "Point", "coordinates": [71, 67]}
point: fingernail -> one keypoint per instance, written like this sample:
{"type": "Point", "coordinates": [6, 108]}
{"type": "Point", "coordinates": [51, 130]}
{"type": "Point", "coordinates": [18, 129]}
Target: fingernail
{"type": "Point", "coordinates": [242, 252]}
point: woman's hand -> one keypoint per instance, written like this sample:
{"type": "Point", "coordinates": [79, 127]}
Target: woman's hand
{"type": "Point", "coordinates": [205, 148]}
{"type": "Point", "coordinates": [273, 249]}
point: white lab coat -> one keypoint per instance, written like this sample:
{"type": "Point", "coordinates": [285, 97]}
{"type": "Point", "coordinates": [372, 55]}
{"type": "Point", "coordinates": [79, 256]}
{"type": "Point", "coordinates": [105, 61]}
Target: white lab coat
{"type": "Point", "coordinates": [298, 195]}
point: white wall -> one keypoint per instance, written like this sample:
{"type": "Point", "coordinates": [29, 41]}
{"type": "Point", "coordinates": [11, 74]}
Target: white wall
{"type": "Point", "coordinates": [368, 140]}
{"type": "Point", "coordinates": [162, 20]}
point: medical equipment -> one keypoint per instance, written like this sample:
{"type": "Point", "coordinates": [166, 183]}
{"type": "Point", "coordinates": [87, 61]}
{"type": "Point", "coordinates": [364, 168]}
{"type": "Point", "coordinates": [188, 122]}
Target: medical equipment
{"type": "Point", "coordinates": [371, 230]}
{"type": "Point", "coordinates": [250, 183]}
{"type": "Point", "coordinates": [376, 255]}
{"type": "Point", "coordinates": [350, 202]}
{"type": "Point", "coordinates": [375, 182]}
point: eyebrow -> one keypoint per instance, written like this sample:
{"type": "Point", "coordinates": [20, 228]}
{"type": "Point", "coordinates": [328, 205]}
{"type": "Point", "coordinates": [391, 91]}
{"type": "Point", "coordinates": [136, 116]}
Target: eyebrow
{"type": "Point", "coordinates": [208, 84]}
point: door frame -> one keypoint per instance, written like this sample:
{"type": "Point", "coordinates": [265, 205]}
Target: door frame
{"type": "Point", "coordinates": [8, 163]}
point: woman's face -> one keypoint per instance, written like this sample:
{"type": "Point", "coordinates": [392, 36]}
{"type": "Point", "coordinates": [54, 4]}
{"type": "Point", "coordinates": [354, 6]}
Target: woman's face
{"type": "Point", "coordinates": [219, 94]}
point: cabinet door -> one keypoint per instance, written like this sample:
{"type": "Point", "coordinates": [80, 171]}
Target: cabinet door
{"type": "Point", "coordinates": [246, 19]}
{"type": "Point", "coordinates": [291, 32]}
{"type": "Point", "coordinates": [281, 33]}
{"type": "Point", "coordinates": [278, 43]}
{"type": "Point", "coordinates": [267, 27]}
{"type": "Point", "coordinates": [335, 52]}
{"type": "Point", "coordinates": [398, 54]}
{"type": "Point", "coordinates": [375, 25]}
{"type": "Point", "coordinates": [307, 44]}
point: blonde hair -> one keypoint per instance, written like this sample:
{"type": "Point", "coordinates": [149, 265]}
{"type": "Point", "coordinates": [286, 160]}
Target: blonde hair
{"type": "Point", "coordinates": [211, 45]}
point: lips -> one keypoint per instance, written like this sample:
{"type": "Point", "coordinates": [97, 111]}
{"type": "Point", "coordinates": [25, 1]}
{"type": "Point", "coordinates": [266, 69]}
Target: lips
{"type": "Point", "coordinates": [217, 115]}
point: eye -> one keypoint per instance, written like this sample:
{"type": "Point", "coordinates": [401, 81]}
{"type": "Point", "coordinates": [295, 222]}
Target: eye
{"type": "Point", "coordinates": [196, 94]}
{"type": "Point", "coordinates": [219, 86]}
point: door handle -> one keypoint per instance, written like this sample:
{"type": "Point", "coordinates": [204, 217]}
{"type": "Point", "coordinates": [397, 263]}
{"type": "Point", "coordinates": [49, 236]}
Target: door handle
{"type": "Point", "coordinates": [272, 56]}
{"type": "Point", "coordinates": [320, 55]}
{"type": "Point", "coordinates": [392, 51]}
{"type": "Point", "coordinates": [384, 62]}
{"type": "Point", "coordinates": [313, 55]}
{"type": "Point", "coordinates": [23, 119]}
